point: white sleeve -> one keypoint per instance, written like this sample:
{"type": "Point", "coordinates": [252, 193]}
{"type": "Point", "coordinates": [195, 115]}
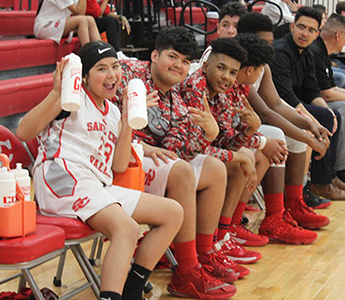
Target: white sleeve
{"type": "Point", "coordinates": [62, 4]}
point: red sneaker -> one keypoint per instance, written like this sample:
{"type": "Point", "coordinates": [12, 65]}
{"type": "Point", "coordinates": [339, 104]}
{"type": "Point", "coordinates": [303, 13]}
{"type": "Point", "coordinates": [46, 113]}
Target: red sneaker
{"type": "Point", "coordinates": [305, 215]}
{"type": "Point", "coordinates": [216, 265]}
{"type": "Point", "coordinates": [239, 270]}
{"type": "Point", "coordinates": [234, 251]}
{"type": "Point", "coordinates": [197, 284]}
{"type": "Point", "coordinates": [281, 227]}
{"type": "Point", "coordinates": [245, 237]}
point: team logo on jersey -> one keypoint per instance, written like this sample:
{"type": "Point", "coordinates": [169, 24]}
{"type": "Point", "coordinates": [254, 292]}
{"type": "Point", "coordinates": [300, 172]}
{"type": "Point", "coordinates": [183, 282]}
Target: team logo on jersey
{"type": "Point", "coordinates": [57, 23]}
{"type": "Point", "coordinates": [80, 203]}
{"type": "Point", "coordinates": [149, 177]}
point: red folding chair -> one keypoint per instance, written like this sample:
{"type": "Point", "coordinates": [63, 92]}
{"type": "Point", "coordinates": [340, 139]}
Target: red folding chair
{"type": "Point", "coordinates": [25, 253]}
{"type": "Point", "coordinates": [76, 232]}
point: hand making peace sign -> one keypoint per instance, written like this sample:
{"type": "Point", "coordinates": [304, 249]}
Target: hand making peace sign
{"type": "Point", "coordinates": [205, 120]}
{"type": "Point", "coordinates": [248, 116]}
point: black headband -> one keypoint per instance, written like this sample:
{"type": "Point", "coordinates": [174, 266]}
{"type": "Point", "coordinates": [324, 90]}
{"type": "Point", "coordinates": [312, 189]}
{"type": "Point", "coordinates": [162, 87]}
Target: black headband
{"type": "Point", "coordinates": [93, 52]}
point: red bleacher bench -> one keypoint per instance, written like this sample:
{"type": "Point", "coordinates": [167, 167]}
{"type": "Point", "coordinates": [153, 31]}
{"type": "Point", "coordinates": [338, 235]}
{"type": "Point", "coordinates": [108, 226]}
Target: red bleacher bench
{"type": "Point", "coordinates": [19, 95]}
{"type": "Point", "coordinates": [24, 53]}
{"type": "Point", "coordinates": [197, 13]}
{"type": "Point", "coordinates": [17, 22]}
{"type": "Point", "coordinates": [20, 4]}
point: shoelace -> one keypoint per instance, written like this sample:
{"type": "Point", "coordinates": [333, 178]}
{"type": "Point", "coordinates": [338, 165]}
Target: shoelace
{"type": "Point", "coordinates": [232, 244]}
{"type": "Point", "coordinates": [288, 219]}
{"type": "Point", "coordinates": [206, 278]}
{"type": "Point", "coordinates": [243, 227]}
{"type": "Point", "coordinates": [304, 206]}
{"type": "Point", "coordinates": [221, 258]}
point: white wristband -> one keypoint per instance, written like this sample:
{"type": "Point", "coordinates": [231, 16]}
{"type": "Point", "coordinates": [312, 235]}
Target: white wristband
{"type": "Point", "coordinates": [263, 141]}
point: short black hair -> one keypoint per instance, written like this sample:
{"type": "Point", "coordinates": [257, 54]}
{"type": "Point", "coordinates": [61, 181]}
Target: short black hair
{"type": "Point", "coordinates": [310, 12]}
{"type": "Point", "coordinates": [320, 7]}
{"type": "Point", "coordinates": [259, 51]}
{"type": "Point", "coordinates": [229, 47]}
{"type": "Point", "coordinates": [254, 22]}
{"type": "Point", "coordinates": [340, 7]}
{"type": "Point", "coordinates": [180, 39]}
{"type": "Point", "coordinates": [335, 22]}
{"type": "Point", "coordinates": [232, 9]}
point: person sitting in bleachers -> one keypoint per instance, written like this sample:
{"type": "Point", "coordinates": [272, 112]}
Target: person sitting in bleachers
{"type": "Point", "coordinates": [288, 8]}
{"type": "Point", "coordinates": [54, 21]}
{"type": "Point", "coordinates": [108, 22]}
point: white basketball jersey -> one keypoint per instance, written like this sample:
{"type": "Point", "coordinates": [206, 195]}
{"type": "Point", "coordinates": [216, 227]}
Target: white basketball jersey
{"type": "Point", "coordinates": [87, 136]}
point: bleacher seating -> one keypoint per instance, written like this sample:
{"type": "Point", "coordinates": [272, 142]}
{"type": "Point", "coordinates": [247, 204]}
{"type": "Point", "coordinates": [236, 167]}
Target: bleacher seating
{"type": "Point", "coordinates": [26, 53]}
{"type": "Point", "coordinates": [24, 58]}
{"type": "Point", "coordinates": [17, 22]}
{"type": "Point", "coordinates": [19, 95]}
{"type": "Point", "coordinates": [19, 4]}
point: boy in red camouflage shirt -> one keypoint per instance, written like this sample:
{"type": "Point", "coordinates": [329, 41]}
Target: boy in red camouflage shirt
{"type": "Point", "coordinates": [172, 134]}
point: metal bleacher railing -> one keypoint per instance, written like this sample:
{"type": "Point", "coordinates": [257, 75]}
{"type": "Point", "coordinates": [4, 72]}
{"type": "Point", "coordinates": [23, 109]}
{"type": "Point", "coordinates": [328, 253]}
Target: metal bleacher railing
{"type": "Point", "coordinates": [330, 4]}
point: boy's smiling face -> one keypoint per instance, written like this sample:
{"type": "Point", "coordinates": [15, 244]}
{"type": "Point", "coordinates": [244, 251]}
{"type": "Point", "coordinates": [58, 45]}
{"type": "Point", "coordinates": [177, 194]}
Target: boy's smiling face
{"type": "Point", "coordinates": [221, 72]}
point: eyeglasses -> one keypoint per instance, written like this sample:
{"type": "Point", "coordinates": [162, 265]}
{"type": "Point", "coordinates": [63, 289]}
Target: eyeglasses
{"type": "Point", "coordinates": [303, 28]}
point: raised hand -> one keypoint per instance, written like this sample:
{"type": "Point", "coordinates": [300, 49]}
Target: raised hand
{"type": "Point", "coordinates": [152, 99]}
{"type": "Point", "coordinates": [248, 116]}
{"type": "Point", "coordinates": [205, 120]}
{"type": "Point", "coordinates": [57, 75]}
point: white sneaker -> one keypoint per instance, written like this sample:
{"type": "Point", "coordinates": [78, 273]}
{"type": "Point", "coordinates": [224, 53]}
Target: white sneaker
{"type": "Point", "coordinates": [122, 56]}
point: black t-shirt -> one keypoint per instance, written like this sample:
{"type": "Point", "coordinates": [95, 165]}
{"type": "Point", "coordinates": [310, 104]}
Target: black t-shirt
{"type": "Point", "coordinates": [293, 72]}
{"type": "Point", "coordinates": [323, 65]}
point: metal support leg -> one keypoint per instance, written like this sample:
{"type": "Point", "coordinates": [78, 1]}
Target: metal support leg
{"type": "Point", "coordinates": [171, 258]}
{"type": "Point", "coordinates": [22, 283]}
{"type": "Point", "coordinates": [85, 266]}
{"type": "Point", "coordinates": [258, 196]}
{"type": "Point", "coordinates": [32, 283]}
{"type": "Point", "coordinates": [93, 251]}
{"type": "Point", "coordinates": [89, 266]}
{"type": "Point", "coordinates": [57, 278]}
{"type": "Point", "coordinates": [99, 251]}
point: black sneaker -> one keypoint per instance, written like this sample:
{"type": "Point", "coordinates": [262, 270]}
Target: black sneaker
{"type": "Point", "coordinates": [314, 201]}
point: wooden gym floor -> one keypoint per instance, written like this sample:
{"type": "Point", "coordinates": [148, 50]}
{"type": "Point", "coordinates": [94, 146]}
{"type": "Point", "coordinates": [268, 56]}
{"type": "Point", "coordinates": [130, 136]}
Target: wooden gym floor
{"type": "Point", "coordinates": [312, 272]}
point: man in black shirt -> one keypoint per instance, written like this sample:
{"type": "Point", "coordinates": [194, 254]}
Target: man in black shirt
{"type": "Point", "coordinates": [293, 72]}
{"type": "Point", "coordinates": [332, 40]}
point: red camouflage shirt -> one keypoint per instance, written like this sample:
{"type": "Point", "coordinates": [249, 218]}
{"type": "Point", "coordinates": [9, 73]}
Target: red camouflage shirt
{"type": "Point", "coordinates": [231, 135]}
{"type": "Point", "coordinates": [170, 125]}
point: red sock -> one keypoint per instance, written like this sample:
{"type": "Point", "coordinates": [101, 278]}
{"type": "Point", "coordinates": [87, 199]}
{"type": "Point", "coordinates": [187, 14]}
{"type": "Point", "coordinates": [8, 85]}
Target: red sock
{"type": "Point", "coordinates": [223, 226]}
{"type": "Point", "coordinates": [186, 256]}
{"type": "Point", "coordinates": [204, 242]}
{"type": "Point", "coordinates": [215, 236]}
{"type": "Point", "coordinates": [237, 216]}
{"type": "Point", "coordinates": [274, 203]}
{"type": "Point", "coordinates": [293, 192]}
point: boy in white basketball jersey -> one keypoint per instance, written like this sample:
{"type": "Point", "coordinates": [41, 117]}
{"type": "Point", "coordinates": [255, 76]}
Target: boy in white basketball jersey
{"type": "Point", "coordinates": [73, 173]}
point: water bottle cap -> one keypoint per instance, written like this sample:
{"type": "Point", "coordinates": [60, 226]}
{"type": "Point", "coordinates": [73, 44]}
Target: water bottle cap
{"type": "Point", "coordinates": [19, 166]}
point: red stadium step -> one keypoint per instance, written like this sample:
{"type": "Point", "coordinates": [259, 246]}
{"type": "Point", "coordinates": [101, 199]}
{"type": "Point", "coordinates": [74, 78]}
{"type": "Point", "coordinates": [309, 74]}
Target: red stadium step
{"type": "Point", "coordinates": [16, 54]}
{"type": "Point", "coordinates": [17, 23]}
{"type": "Point", "coordinates": [20, 4]}
{"type": "Point", "coordinates": [19, 95]}
{"type": "Point", "coordinates": [197, 15]}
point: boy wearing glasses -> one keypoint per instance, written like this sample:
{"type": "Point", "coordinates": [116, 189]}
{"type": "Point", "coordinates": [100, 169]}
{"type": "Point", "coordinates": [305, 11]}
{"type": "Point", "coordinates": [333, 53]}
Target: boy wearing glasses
{"type": "Point", "coordinates": [293, 72]}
